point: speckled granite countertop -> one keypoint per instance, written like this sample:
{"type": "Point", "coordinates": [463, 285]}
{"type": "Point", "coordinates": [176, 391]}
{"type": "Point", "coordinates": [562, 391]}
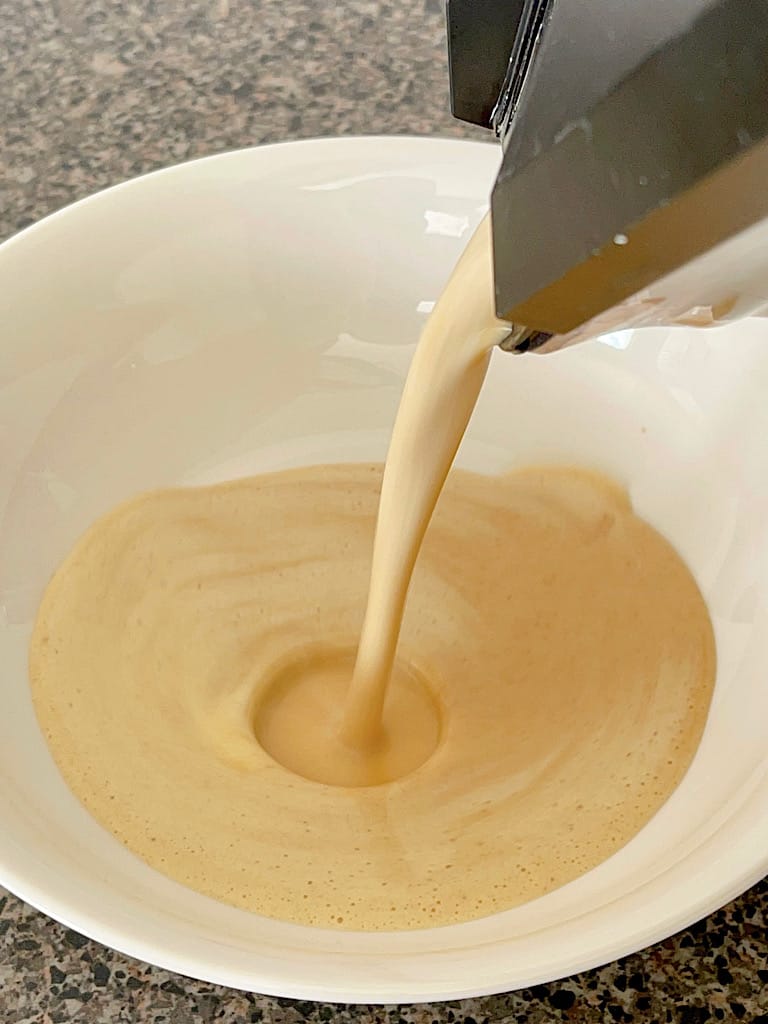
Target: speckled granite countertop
{"type": "Point", "coordinates": [96, 91]}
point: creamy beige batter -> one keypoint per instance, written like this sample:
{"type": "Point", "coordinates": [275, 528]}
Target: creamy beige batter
{"type": "Point", "coordinates": [568, 649]}
{"type": "Point", "coordinates": [441, 390]}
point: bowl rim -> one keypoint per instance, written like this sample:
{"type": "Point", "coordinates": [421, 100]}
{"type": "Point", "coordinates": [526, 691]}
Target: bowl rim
{"type": "Point", "coordinates": [316, 143]}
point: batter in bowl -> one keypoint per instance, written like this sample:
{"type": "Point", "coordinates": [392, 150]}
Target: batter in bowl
{"type": "Point", "coordinates": [214, 691]}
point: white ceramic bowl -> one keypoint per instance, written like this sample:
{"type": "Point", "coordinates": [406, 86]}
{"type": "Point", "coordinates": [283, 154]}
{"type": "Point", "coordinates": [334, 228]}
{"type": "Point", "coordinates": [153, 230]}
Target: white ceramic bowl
{"type": "Point", "coordinates": [258, 310]}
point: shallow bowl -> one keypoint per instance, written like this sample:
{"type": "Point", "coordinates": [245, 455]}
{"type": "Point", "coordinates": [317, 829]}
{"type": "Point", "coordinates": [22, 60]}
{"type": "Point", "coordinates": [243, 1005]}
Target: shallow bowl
{"type": "Point", "coordinates": [258, 310]}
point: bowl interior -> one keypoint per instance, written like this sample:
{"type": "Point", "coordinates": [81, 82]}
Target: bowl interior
{"type": "Point", "coordinates": [258, 311]}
